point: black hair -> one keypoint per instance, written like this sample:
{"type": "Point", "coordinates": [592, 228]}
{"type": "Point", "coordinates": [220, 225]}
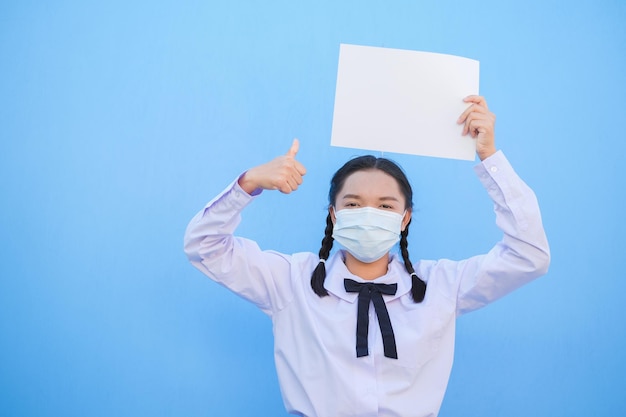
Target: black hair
{"type": "Point", "coordinates": [367, 162]}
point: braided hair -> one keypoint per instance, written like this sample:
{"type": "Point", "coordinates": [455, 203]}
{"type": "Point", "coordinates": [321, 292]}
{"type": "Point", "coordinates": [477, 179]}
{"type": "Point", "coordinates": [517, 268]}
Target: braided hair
{"type": "Point", "coordinates": [367, 162]}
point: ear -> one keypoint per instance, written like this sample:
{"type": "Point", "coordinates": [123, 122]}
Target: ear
{"type": "Point", "coordinates": [331, 211]}
{"type": "Point", "coordinates": [407, 219]}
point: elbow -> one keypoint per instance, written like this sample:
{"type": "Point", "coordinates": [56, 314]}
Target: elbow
{"type": "Point", "coordinates": [544, 257]}
{"type": "Point", "coordinates": [191, 247]}
{"type": "Point", "coordinates": [191, 252]}
{"type": "Point", "coordinates": [202, 247]}
{"type": "Point", "coordinates": [543, 263]}
{"type": "Point", "coordinates": [533, 262]}
{"type": "Point", "coordinates": [540, 261]}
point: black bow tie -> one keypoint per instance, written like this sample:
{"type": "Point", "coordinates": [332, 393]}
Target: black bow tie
{"type": "Point", "coordinates": [371, 291]}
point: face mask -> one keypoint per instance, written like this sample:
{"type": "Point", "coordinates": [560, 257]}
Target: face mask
{"type": "Point", "coordinates": [367, 233]}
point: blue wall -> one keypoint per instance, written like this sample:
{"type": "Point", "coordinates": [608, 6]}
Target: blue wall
{"type": "Point", "coordinates": [119, 120]}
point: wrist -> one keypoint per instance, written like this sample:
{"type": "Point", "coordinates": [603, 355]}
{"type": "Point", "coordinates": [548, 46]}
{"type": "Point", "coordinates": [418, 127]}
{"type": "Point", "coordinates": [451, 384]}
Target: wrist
{"type": "Point", "coordinates": [486, 153]}
{"type": "Point", "coordinates": [247, 183]}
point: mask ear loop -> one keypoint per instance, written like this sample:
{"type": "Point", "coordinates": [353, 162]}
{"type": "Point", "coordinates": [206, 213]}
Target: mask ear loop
{"type": "Point", "coordinates": [402, 225]}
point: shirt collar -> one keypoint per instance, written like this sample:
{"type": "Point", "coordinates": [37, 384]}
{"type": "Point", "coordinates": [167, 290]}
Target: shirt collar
{"type": "Point", "coordinates": [336, 272]}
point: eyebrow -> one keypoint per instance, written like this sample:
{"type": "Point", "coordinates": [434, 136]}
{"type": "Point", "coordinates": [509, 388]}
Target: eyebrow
{"type": "Point", "coordinates": [358, 197]}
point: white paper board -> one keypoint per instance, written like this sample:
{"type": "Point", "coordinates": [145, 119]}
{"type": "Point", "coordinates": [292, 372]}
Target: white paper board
{"type": "Point", "coordinates": [394, 100]}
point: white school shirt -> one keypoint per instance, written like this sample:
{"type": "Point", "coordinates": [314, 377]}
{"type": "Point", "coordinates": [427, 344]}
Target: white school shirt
{"type": "Point", "coordinates": [315, 337]}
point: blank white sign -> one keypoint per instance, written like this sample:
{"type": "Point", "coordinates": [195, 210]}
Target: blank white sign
{"type": "Point", "coordinates": [394, 100]}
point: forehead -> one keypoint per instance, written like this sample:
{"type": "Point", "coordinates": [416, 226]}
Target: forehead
{"type": "Point", "coordinates": [371, 183]}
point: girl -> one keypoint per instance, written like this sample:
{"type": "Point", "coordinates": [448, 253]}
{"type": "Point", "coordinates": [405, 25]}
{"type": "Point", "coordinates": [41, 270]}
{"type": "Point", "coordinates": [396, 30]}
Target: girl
{"type": "Point", "coordinates": [364, 332]}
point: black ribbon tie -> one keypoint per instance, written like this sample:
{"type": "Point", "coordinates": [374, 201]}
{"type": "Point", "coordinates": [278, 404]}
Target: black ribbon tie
{"type": "Point", "coordinates": [369, 291]}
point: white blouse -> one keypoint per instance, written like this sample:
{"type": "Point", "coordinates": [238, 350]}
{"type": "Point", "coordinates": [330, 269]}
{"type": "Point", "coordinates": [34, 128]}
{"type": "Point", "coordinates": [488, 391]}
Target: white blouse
{"type": "Point", "coordinates": [315, 337]}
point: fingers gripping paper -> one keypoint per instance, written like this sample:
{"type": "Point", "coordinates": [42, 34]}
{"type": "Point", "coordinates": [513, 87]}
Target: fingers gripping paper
{"type": "Point", "coordinates": [403, 101]}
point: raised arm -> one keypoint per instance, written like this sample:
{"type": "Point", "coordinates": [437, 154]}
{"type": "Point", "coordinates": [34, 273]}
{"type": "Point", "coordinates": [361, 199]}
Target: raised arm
{"type": "Point", "coordinates": [261, 277]}
{"type": "Point", "coordinates": [523, 253]}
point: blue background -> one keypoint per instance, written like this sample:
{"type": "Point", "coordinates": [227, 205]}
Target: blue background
{"type": "Point", "coordinates": [119, 120]}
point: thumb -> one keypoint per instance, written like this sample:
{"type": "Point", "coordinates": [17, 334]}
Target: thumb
{"type": "Point", "coordinates": [295, 146]}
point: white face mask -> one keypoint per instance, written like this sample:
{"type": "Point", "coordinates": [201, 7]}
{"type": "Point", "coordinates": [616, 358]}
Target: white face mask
{"type": "Point", "coordinates": [367, 233]}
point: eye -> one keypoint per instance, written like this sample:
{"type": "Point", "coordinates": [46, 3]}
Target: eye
{"type": "Point", "coordinates": [386, 207]}
{"type": "Point", "coordinates": [351, 204]}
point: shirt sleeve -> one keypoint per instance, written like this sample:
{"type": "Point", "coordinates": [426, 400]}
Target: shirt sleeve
{"type": "Point", "coordinates": [519, 257]}
{"type": "Point", "coordinates": [261, 277]}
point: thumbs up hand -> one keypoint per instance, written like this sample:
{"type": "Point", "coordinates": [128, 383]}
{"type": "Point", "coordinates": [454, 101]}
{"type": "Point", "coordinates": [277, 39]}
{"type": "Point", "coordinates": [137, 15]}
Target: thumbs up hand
{"type": "Point", "coordinates": [283, 173]}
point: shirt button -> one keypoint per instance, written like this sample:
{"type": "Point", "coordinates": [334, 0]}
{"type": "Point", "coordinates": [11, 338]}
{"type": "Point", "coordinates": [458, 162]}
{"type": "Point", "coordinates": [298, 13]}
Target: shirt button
{"type": "Point", "coordinates": [493, 169]}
